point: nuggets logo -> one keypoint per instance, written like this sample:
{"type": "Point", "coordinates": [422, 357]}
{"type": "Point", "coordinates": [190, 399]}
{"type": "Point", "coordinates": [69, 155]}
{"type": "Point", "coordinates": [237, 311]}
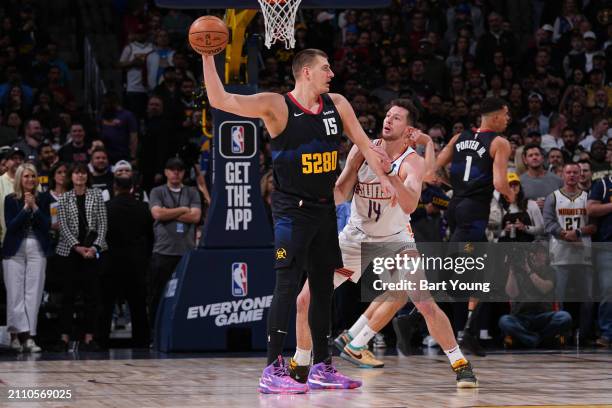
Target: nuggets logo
{"type": "Point", "coordinates": [239, 279]}
{"type": "Point", "coordinates": [281, 253]}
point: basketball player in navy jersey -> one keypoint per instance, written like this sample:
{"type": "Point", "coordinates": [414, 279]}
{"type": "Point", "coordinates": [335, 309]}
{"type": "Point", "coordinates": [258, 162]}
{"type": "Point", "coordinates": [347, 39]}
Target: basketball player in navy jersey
{"type": "Point", "coordinates": [479, 164]}
{"type": "Point", "coordinates": [305, 126]}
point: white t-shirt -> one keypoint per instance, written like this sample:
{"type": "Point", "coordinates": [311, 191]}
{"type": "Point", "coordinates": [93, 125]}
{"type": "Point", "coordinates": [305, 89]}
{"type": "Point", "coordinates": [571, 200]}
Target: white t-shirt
{"type": "Point", "coordinates": [134, 74]}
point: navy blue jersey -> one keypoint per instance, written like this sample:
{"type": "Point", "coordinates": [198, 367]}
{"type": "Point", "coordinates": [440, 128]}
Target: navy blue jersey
{"type": "Point", "coordinates": [305, 154]}
{"type": "Point", "coordinates": [471, 172]}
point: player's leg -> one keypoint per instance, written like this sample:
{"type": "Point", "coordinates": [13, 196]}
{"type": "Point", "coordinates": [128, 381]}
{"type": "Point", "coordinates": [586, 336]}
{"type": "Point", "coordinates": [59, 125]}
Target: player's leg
{"type": "Point", "coordinates": [292, 239]}
{"type": "Point", "coordinates": [378, 315]}
{"type": "Point", "coordinates": [326, 257]}
{"type": "Point", "coordinates": [299, 365]}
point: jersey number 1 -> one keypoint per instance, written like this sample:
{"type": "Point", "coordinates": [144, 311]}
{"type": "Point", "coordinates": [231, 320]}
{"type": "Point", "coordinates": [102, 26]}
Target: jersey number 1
{"type": "Point", "coordinates": [468, 168]}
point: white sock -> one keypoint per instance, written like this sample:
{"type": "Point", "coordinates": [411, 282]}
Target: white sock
{"type": "Point", "coordinates": [362, 339]}
{"type": "Point", "coordinates": [454, 355]}
{"type": "Point", "coordinates": [302, 357]}
{"type": "Point", "coordinates": [359, 324]}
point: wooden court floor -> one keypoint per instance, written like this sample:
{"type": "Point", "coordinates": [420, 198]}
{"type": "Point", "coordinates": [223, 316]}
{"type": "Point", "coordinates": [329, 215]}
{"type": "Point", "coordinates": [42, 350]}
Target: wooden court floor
{"type": "Point", "coordinates": [506, 379]}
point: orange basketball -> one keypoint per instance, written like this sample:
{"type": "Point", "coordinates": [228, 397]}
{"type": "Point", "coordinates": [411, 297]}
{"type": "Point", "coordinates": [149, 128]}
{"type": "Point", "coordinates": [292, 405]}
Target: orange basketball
{"type": "Point", "coordinates": [208, 35]}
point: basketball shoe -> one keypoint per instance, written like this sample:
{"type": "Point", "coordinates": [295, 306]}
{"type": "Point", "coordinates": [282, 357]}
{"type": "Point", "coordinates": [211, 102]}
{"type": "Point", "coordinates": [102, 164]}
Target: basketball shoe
{"type": "Point", "coordinates": [470, 343]}
{"type": "Point", "coordinates": [275, 379]}
{"type": "Point", "coordinates": [297, 372]}
{"type": "Point", "coordinates": [465, 374]}
{"type": "Point", "coordinates": [324, 376]}
{"type": "Point", "coordinates": [361, 357]}
{"type": "Point", "coordinates": [342, 340]}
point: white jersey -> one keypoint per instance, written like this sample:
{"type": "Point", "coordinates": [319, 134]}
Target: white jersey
{"type": "Point", "coordinates": [371, 210]}
{"type": "Point", "coordinates": [571, 214]}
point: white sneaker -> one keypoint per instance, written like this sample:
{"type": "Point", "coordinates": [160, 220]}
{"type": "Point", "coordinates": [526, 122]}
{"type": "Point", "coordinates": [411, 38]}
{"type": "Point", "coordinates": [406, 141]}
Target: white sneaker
{"type": "Point", "coordinates": [31, 346]}
{"type": "Point", "coordinates": [379, 341]}
{"type": "Point", "coordinates": [16, 345]}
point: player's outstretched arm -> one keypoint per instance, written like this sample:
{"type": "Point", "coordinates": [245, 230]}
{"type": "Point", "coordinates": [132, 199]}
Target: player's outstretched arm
{"type": "Point", "coordinates": [266, 105]}
{"type": "Point", "coordinates": [355, 132]}
{"type": "Point", "coordinates": [348, 177]}
{"type": "Point", "coordinates": [500, 148]}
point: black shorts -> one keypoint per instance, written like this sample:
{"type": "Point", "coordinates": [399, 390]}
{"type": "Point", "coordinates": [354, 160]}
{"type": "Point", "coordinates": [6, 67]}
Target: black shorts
{"type": "Point", "coordinates": [468, 219]}
{"type": "Point", "coordinates": [305, 233]}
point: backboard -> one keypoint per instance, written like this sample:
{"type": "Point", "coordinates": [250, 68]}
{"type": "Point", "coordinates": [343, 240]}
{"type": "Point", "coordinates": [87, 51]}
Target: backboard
{"type": "Point", "coordinates": [252, 4]}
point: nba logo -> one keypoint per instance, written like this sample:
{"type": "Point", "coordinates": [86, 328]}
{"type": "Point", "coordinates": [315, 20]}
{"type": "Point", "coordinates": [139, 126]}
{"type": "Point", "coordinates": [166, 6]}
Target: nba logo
{"type": "Point", "coordinates": [239, 279]}
{"type": "Point", "coordinates": [237, 139]}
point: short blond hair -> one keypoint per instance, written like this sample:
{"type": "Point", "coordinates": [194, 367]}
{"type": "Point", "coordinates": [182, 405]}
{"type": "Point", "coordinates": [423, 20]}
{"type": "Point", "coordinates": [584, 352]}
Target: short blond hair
{"type": "Point", "coordinates": [19, 175]}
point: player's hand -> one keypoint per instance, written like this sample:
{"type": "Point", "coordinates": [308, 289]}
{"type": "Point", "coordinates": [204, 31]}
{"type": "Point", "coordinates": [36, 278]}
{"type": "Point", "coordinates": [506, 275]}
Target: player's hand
{"type": "Point", "coordinates": [389, 190]}
{"type": "Point", "coordinates": [383, 157]}
{"type": "Point", "coordinates": [419, 138]}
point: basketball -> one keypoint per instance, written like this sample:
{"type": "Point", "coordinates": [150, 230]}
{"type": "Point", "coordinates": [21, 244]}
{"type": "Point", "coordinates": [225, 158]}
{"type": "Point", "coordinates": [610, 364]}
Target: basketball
{"type": "Point", "coordinates": [208, 35]}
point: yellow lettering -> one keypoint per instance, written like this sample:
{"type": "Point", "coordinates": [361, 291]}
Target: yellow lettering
{"type": "Point", "coordinates": [306, 163]}
{"type": "Point", "coordinates": [319, 162]}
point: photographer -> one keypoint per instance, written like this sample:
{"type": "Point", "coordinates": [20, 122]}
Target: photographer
{"type": "Point", "coordinates": [532, 319]}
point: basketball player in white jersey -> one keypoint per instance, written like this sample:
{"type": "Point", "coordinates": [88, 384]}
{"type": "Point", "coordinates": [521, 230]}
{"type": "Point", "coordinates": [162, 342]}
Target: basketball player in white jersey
{"type": "Point", "coordinates": [375, 219]}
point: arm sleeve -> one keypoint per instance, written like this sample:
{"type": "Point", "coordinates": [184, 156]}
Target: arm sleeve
{"type": "Point", "coordinates": [536, 217]}
{"type": "Point", "coordinates": [597, 191]}
{"type": "Point", "coordinates": [551, 224]}
{"type": "Point", "coordinates": [102, 220]}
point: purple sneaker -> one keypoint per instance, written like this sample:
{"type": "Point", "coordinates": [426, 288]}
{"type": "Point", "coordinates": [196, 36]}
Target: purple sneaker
{"type": "Point", "coordinates": [275, 379]}
{"type": "Point", "coordinates": [324, 376]}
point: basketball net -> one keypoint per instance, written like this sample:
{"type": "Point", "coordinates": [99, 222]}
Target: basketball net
{"type": "Point", "coordinates": [279, 19]}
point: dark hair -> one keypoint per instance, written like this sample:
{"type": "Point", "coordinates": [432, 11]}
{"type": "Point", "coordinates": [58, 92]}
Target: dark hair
{"type": "Point", "coordinates": [554, 149]}
{"type": "Point", "coordinates": [78, 168]}
{"type": "Point", "coordinates": [585, 161]}
{"type": "Point", "coordinates": [41, 146]}
{"type": "Point", "coordinates": [521, 200]}
{"type": "Point", "coordinates": [531, 146]}
{"type": "Point", "coordinates": [598, 119]}
{"type": "Point", "coordinates": [99, 149]}
{"type": "Point", "coordinates": [54, 170]}
{"type": "Point", "coordinates": [303, 58]}
{"type": "Point", "coordinates": [490, 105]}
{"type": "Point", "coordinates": [413, 113]}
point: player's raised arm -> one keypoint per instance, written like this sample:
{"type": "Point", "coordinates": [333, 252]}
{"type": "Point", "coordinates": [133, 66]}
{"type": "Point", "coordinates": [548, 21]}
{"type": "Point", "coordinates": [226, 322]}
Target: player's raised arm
{"type": "Point", "coordinates": [355, 132]}
{"type": "Point", "coordinates": [265, 105]}
{"type": "Point", "coordinates": [348, 177]}
{"type": "Point", "coordinates": [500, 148]}
{"type": "Point", "coordinates": [446, 155]}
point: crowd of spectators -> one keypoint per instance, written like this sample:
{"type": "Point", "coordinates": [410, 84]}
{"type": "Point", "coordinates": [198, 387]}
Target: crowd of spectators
{"type": "Point", "coordinates": [551, 64]}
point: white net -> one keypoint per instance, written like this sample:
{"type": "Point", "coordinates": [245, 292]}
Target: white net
{"type": "Point", "coordinates": [279, 18]}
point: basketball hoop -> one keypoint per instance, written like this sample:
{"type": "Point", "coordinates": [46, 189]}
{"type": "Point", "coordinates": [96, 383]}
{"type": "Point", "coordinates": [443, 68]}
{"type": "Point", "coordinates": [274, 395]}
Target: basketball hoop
{"type": "Point", "coordinates": [279, 19]}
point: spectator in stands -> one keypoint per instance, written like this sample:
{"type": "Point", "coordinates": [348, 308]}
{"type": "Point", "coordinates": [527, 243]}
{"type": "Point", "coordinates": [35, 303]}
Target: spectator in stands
{"type": "Point", "coordinates": [75, 151]}
{"type": "Point", "coordinates": [25, 247]}
{"type": "Point", "coordinates": [157, 146]}
{"type": "Point", "coordinates": [14, 159]}
{"type": "Point", "coordinates": [601, 167]}
{"type": "Point", "coordinates": [590, 50]}
{"type": "Point", "coordinates": [599, 132]}
{"type": "Point", "coordinates": [566, 221]}
{"type": "Point", "coordinates": [533, 321]}
{"type": "Point", "coordinates": [391, 88]}
{"type": "Point", "coordinates": [46, 158]}
{"type": "Point", "coordinates": [586, 176]}
{"type": "Point", "coordinates": [132, 61]}
{"type": "Point", "coordinates": [56, 61]}
{"type": "Point", "coordinates": [571, 149]}
{"type": "Point", "coordinates": [33, 136]}
{"type": "Point", "coordinates": [118, 130]}
{"type": "Point", "coordinates": [536, 182]}
{"type": "Point", "coordinates": [521, 219]}
{"type": "Point", "coordinates": [160, 59]}
{"type": "Point", "coordinates": [535, 101]}
{"type": "Point", "coordinates": [82, 241]}
{"type": "Point", "coordinates": [101, 175]}
{"type": "Point", "coordinates": [554, 158]}
{"type": "Point", "coordinates": [176, 209]}
{"type": "Point", "coordinates": [557, 122]}
{"type": "Point", "coordinates": [494, 39]}
{"type": "Point", "coordinates": [130, 236]}
{"type": "Point", "coordinates": [600, 207]}
{"type": "Point", "coordinates": [123, 169]}
{"type": "Point", "coordinates": [61, 92]}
